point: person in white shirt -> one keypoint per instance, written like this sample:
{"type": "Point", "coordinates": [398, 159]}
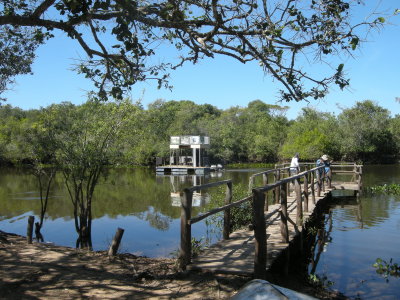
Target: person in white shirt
{"type": "Point", "coordinates": [294, 164]}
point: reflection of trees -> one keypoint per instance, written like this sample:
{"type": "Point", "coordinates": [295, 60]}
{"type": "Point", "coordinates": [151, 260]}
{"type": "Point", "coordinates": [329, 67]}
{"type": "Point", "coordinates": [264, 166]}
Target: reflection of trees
{"type": "Point", "coordinates": [321, 235]}
{"type": "Point", "coordinates": [322, 238]}
{"type": "Point", "coordinates": [155, 219]}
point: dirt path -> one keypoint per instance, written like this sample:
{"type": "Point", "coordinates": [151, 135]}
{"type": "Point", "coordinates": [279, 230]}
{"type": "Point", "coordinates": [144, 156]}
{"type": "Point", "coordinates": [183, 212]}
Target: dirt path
{"type": "Point", "coordinates": [42, 271]}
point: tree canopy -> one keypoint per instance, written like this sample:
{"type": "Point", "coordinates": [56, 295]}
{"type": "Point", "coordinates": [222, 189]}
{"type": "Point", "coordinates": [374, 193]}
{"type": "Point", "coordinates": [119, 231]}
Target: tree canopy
{"type": "Point", "coordinates": [121, 38]}
{"type": "Point", "coordinates": [258, 133]}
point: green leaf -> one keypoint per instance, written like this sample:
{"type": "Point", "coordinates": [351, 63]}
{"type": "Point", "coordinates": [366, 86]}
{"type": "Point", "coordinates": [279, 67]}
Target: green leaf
{"type": "Point", "coordinates": [354, 43]}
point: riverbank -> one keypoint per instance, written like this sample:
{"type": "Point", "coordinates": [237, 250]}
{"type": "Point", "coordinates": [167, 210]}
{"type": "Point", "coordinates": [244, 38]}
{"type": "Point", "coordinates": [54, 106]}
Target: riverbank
{"type": "Point", "coordinates": [45, 271]}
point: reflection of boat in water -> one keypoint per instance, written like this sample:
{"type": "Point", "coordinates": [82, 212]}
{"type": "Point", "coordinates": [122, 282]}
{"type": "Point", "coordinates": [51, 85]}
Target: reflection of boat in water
{"type": "Point", "coordinates": [217, 174]}
{"type": "Point", "coordinates": [199, 199]}
{"type": "Point", "coordinates": [180, 182]}
{"type": "Point", "coordinates": [216, 168]}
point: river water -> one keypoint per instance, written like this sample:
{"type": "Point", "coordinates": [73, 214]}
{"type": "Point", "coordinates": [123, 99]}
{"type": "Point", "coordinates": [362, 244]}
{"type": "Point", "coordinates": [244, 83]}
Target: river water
{"type": "Point", "coordinates": [147, 207]}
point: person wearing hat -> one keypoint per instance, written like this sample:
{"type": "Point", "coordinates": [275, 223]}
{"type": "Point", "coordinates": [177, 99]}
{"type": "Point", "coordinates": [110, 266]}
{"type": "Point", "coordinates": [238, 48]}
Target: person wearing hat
{"type": "Point", "coordinates": [323, 161]}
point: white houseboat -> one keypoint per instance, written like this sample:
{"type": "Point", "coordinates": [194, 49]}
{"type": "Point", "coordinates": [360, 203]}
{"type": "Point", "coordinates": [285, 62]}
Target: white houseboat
{"type": "Point", "coordinates": [188, 155]}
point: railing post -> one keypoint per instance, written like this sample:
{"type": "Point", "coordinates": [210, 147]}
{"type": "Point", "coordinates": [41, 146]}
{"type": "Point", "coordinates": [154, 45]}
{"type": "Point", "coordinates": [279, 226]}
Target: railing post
{"type": "Point", "coordinates": [329, 178]}
{"type": "Point", "coordinates": [299, 214]}
{"type": "Point", "coordinates": [265, 182]}
{"type": "Point", "coordinates": [251, 183]}
{"type": "Point", "coordinates": [277, 176]}
{"type": "Point", "coordinates": [359, 180]}
{"type": "Point", "coordinates": [313, 187]}
{"type": "Point", "coordinates": [227, 212]}
{"type": "Point", "coordinates": [186, 229]}
{"type": "Point", "coordinates": [305, 192]}
{"type": "Point", "coordinates": [319, 181]}
{"type": "Point", "coordinates": [284, 214]}
{"type": "Point", "coordinates": [260, 235]}
{"type": "Point", "coordinates": [323, 179]}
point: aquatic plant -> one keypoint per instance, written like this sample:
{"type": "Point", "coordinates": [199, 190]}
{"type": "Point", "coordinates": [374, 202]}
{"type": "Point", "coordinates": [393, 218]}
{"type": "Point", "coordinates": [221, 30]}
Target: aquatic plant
{"type": "Point", "coordinates": [389, 189]}
{"type": "Point", "coordinates": [387, 269]}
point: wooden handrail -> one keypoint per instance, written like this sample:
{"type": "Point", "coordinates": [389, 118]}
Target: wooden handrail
{"type": "Point", "coordinates": [207, 185]}
{"type": "Point", "coordinates": [260, 204]}
{"type": "Point", "coordinates": [217, 210]}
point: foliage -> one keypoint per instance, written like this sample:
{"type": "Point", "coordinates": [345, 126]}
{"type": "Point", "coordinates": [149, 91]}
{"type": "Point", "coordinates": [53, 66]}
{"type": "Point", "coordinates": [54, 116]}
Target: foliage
{"type": "Point", "coordinates": [85, 138]}
{"type": "Point", "coordinates": [311, 136]}
{"type": "Point", "coordinates": [241, 137]}
{"type": "Point", "coordinates": [387, 269]}
{"type": "Point", "coordinates": [319, 281]}
{"type": "Point", "coordinates": [390, 189]}
{"type": "Point", "coordinates": [123, 39]}
{"type": "Point", "coordinates": [365, 131]}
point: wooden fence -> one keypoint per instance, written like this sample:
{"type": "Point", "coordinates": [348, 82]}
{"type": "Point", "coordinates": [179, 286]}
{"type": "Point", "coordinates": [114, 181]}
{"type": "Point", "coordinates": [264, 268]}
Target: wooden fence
{"type": "Point", "coordinates": [313, 181]}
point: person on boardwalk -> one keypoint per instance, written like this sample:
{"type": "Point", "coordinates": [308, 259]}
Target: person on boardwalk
{"type": "Point", "coordinates": [294, 164]}
{"type": "Point", "coordinates": [323, 161]}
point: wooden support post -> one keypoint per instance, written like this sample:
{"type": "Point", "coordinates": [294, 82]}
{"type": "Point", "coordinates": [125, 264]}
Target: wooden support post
{"type": "Point", "coordinates": [115, 242]}
{"type": "Point", "coordinates": [323, 179]}
{"type": "Point", "coordinates": [260, 234]}
{"type": "Point", "coordinates": [186, 229]}
{"type": "Point", "coordinates": [305, 192]}
{"type": "Point", "coordinates": [29, 231]}
{"type": "Point", "coordinates": [251, 183]}
{"type": "Point", "coordinates": [313, 187]}
{"type": "Point", "coordinates": [299, 210]}
{"type": "Point", "coordinates": [359, 179]}
{"type": "Point", "coordinates": [319, 182]}
{"type": "Point", "coordinates": [284, 214]}
{"type": "Point", "coordinates": [227, 212]}
{"type": "Point", "coordinates": [265, 182]}
{"type": "Point", "coordinates": [329, 178]}
{"type": "Point", "coordinates": [277, 176]}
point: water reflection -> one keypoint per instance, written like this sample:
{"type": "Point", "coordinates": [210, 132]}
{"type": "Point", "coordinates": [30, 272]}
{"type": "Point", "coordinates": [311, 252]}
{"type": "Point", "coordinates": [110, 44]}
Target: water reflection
{"type": "Point", "coordinates": [145, 205]}
{"type": "Point", "coordinates": [180, 182]}
{"type": "Point", "coordinates": [355, 232]}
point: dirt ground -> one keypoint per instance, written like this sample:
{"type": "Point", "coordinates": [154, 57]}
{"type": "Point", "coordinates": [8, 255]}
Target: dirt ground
{"type": "Point", "coordinates": [43, 271]}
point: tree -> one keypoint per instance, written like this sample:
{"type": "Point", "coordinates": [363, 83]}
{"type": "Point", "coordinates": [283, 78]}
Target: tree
{"type": "Point", "coordinates": [41, 153]}
{"type": "Point", "coordinates": [365, 132]}
{"type": "Point", "coordinates": [121, 38]}
{"type": "Point", "coordinates": [312, 135]}
{"type": "Point", "coordinates": [86, 140]}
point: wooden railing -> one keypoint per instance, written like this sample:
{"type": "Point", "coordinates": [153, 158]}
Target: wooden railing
{"type": "Point", "coordinates": [314, 181]}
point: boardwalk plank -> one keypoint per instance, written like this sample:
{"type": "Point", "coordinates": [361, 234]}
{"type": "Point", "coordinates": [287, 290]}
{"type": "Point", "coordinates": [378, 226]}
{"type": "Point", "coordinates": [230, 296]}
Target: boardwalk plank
{"type": "Point", "coordinates": [236, 255]}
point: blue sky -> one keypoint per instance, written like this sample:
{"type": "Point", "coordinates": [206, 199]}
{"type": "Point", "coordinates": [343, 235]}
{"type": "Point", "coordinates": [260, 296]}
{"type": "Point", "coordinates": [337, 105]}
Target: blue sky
{"type": "Point", "coordinates": [223, 82]}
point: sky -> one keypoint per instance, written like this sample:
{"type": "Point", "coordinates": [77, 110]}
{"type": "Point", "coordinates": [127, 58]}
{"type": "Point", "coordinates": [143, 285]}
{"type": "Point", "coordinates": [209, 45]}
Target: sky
{"type": "Point", "coordinates": [222, 82]}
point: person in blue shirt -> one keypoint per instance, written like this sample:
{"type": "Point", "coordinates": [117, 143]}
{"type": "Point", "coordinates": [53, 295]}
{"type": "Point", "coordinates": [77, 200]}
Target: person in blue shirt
{"type": "Point", "coordinates": [323, 161]}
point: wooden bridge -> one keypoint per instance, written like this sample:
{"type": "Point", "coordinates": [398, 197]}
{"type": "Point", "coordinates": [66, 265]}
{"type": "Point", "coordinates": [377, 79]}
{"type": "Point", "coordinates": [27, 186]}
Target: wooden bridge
{"type": "Point", "coordinates": [278, 216]}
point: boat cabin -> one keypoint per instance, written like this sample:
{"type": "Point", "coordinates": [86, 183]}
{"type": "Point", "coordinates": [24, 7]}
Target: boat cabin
{"type": "Point", "coordinates": [188, 155]}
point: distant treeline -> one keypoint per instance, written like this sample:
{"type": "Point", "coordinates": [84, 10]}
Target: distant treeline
{"type": "Point", "coordinates": [258, 133]}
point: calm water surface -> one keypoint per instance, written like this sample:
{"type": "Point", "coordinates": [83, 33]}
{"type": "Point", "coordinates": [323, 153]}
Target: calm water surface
{"type": "Point", "coordinates": [147, 207]}
{"type": "Point", "coordinates": [357, 234]}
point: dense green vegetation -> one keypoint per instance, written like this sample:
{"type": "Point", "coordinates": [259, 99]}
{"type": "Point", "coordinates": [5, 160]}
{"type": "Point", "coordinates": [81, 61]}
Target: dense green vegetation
{"type": "Point", "coordinates": [388, 189]}
{"type": "Point", "coordinates": [258, 133]}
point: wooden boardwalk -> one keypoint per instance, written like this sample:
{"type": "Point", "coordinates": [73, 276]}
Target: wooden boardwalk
{"type": "Point", "coordinates": [236, 255]}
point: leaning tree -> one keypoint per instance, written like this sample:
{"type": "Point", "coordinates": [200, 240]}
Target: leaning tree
{"type": "Point", "coordinates": [122, 38]}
